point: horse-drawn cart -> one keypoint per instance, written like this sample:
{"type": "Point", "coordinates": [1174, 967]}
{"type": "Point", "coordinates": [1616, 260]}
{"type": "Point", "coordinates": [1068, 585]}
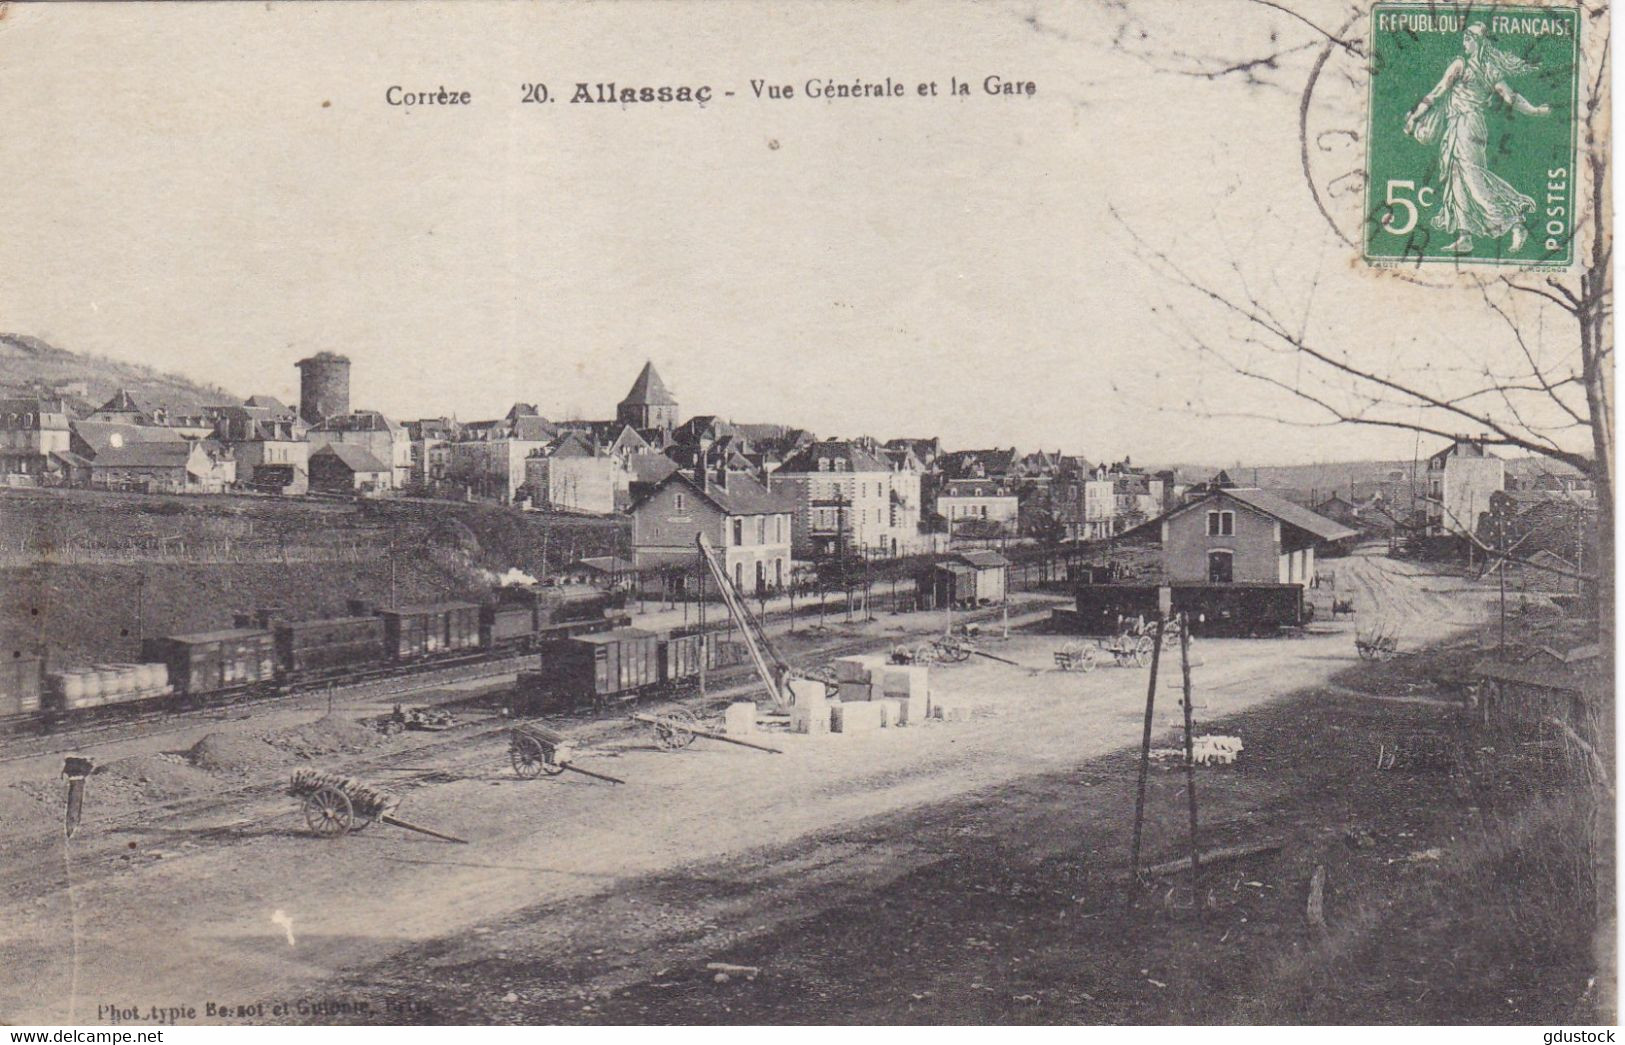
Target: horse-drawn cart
{"type": "Point", "coordinates": [535, 750]}
{"type": "Point", "coordinates": [335, 806]}
{"type": "Point", "coordinates": [1126, 651]}
{"type": "Point", "coordinates": [676, 728]}
{"type": "Point", "coordinates": [1378, 644]}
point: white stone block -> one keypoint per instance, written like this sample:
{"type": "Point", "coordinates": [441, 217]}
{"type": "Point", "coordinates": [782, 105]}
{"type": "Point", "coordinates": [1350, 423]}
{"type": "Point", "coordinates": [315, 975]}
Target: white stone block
{"type": "Point", "coordinates": [807, 690]}
{"type": "Point", "coordinates": [857, 717]}
{"type": "Point", "coordinates": [811, 717]}
{"type": "Point", "coordinates": [858, 669]}
{"type": "Point", "coordinates": [740, 719]}
{"type": "Point", "coordinates": [916, 705]}
{"type": "Point", "coordinates": [903, 680]}
{"type": "Point", "coordinates": [851, 691]}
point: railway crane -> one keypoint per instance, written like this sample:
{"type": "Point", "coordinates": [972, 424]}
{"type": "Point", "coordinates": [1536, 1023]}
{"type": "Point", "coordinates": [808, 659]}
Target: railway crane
{"type": "Point", "coordinates": [775, 672]}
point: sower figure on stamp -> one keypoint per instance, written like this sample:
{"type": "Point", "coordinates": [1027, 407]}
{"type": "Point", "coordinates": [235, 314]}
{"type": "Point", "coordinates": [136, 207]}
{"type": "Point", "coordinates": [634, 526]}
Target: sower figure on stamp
{"type": "Point", "coordinates": [1473, 201]}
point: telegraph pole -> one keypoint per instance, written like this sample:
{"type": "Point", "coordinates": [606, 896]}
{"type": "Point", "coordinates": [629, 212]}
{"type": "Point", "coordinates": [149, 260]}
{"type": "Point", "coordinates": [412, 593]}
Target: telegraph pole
{"type": "Point", "coordinates": [1501, 546]}
{"type": "Point", "coordinates": [704, 638]}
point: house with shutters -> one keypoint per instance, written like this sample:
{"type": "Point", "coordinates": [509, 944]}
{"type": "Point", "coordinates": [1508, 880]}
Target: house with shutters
{"type": "Point", "coordinates": [850, 498]}
{"type": "Point", "coordinates": [747, 524]}
{"type": "Point", "coordinates": [35, 442]}
{"type": "Point", "coordinates": [1235, 535]}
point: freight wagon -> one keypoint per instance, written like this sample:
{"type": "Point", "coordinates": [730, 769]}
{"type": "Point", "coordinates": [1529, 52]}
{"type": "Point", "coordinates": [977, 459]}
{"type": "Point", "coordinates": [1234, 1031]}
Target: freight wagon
{"type": "Point", "coordinates": [266, 649]}
{"type": "Point", "coordinates": [19, 685]}
{"type": "Point", "coordinates": [680, 657]}
{"type": "Point", "coordinates": [596, 669]}
{"type": "Point", "coordinates": [212, 661]}
{"type": "Point", "coordinates": [680, 654]}
{"type": "Point", "coordinates": [104, 684]}
{"type": "Point", "coordinates": [412, 632]}
{"type": "Point", "coordinates": [1213, 609]}
{"type": "Point", "coordinates": [313, 646]}
{"type": "Point", "coordinates": [507, 627]}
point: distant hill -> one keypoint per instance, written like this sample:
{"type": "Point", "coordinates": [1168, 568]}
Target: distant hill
{"type": "Point", "coordinates": [1322, 479]}
{"type": "Point", "coordinates": [27, 363]}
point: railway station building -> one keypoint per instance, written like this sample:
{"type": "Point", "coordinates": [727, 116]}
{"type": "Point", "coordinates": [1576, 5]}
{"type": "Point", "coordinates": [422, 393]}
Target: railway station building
{"type": "Point", "coordinates": [1235, 535]}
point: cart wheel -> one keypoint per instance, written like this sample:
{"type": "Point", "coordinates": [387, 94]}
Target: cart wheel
{"type": "Point", "coordinates": [328, 812]}
{"type": "Point", "coordinates": [527, 756]}
{"type": "Point", "coordinates": [1086, 659]}
{"type": "Point", "coordinates": [675, 731]}
{"type": "Point", "coordinates": [1142, 651]}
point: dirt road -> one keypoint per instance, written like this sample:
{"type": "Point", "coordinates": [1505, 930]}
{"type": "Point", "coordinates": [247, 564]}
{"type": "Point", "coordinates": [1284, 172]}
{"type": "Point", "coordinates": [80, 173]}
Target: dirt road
{"type": "Point", "coordinates": [239, 907]}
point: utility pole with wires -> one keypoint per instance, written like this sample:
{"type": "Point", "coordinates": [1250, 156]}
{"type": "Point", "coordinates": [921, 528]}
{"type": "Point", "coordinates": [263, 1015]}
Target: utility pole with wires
{"type": "Point", "coordinates": [1145, 765]}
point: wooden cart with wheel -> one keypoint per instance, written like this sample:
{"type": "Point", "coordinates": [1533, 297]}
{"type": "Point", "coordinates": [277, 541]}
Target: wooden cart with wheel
{"type": "Point", "coordinates": [676, 728]}
{"type": "Point", "coordinates": [329, 813]}
{"type": "Point", "coordinates": [1129, 650]}
{"type": "Point", "coordinates": [953, 649]}
{"type": "Point", "coordinates": [335, 806]}
{"type": "Point", "coordinates": [1077, 656]}
{"type": "Point", "coordinates": [1380, 644]}
{"type": "Point", "coordinates": [535, 750]}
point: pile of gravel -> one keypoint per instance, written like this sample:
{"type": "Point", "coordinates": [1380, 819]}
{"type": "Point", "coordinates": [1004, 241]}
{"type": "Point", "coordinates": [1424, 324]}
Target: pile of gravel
{"type": "Point", "coordinates": [328, 735]}
{"type": "Point", "coordinates": [234, 753]}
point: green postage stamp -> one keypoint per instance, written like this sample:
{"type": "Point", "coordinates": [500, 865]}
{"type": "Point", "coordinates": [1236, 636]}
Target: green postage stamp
{"type": "Point", "coordinates": [1470, 147]}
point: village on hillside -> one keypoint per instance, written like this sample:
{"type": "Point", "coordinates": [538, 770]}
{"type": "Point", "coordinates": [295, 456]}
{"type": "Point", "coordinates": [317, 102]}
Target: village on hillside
{"type": "Point", "coordinates": [862, 496]}
{"type": "Point", "coordinates": [256, 628]}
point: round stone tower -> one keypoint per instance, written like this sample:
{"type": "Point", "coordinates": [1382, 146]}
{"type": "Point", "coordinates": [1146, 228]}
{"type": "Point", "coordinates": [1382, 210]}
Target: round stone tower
{"type": "Point", "coordinates": [324, 387]}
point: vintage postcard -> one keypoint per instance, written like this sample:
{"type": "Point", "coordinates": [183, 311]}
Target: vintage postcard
{"type": "Point", "coordinates": [869, 513]}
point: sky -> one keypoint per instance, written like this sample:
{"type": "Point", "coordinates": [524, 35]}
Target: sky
{"type": "Point", "coordinates": [220, 190]}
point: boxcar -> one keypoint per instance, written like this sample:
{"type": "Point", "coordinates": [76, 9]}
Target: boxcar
{"type": "Point", "coordinates": [680, 654]}
{"type": "Point", "coordinates": [329, 645]}
{"type": "Point", "coordinates": [609, 665]}
{"type": "Point", "coordinates": [680, 657]}
{"type": "Point", "coordinates": [19, 685]}
{"type": "Point", "coordinates": [206, 662]}
{"type": "Point", "coordinates": [411, 632]}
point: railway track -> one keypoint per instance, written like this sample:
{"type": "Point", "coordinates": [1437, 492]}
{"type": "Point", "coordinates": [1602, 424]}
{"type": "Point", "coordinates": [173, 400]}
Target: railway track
{"type": "Point", "coordinates": [469, 747]}
{"type": "Point", "coordinates": [145, 720]}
